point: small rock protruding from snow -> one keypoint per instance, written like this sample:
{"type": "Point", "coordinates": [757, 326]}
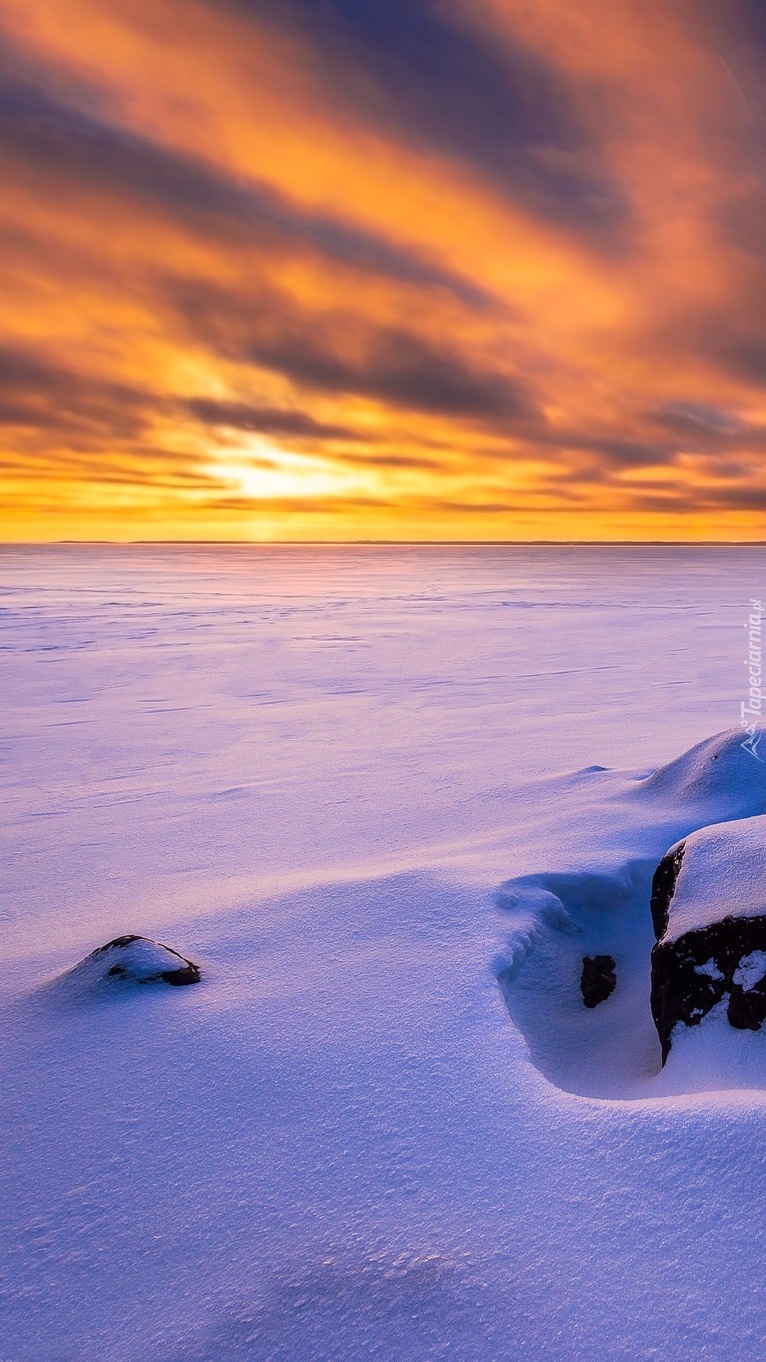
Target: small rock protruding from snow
{"type": "Point", "coordinates": [709, 914]}
{"type": "Point", "coordinates": [128, 960]}
{"type": "Point", "coordinates": [598, 979]}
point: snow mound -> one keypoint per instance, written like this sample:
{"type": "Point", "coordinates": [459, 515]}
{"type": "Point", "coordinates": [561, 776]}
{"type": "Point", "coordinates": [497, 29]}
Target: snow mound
{"type": "Point", "coordinates": [125, 962]}
{"type": "Point", "coordinates": [721, 770]}
{"type": "Point", "coordinates": [721, 874]}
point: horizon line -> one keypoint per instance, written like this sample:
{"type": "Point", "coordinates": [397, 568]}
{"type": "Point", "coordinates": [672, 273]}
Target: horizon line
{"type": "Point", "coordinates": [389, 543]}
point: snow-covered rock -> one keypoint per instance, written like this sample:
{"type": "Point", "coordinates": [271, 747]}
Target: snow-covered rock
{"type": "Point", "coordinates": [709, 913]}
{"type": "Point", "coordinates": [126, 961]}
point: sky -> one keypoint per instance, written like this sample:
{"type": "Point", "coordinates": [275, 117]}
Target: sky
{"type": "Point", "coordinates": [383, 269]}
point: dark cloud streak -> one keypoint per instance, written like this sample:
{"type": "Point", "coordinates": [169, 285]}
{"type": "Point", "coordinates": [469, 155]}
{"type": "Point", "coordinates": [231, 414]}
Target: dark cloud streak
{"type": "Point", "coordinates": [413, 69]}
{"type": "Point", "coordinates": [81, 153]}
{"type": "Point", "coordinates": [336, 354]}
{"type": "Point", "coordinates": [267, 420]}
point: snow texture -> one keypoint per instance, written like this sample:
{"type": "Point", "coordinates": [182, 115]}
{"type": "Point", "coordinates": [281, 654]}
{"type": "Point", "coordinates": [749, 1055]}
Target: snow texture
{"type": "Point", "coordinates": [388, 799]}
{"type": "Point", "coordinates": [718, 774]}
{"type": "Point", "coordinates": [751, 970]}
{"type": "Point", "coordinates": [711, 969]}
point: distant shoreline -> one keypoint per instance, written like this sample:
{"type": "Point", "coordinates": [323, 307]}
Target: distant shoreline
{"type": "Point", "coordinates": [382, 543]}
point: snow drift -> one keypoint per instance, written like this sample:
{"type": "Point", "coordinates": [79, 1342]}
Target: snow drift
{"type": "Point", "coordinates": [718, 774]}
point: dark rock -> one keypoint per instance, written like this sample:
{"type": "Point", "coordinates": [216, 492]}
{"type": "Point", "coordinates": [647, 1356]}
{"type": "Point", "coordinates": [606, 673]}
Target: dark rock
{"type": "Point", "coordinates": [119, 942]}
{"type": "Point", "coordinates": [598, 979]}
{"type": "Point", "coordinates": [189, 975]}
{"type": "Point", "coordinates": [663, 884]}
{"type": "Point", "coordinates": [692, 974]}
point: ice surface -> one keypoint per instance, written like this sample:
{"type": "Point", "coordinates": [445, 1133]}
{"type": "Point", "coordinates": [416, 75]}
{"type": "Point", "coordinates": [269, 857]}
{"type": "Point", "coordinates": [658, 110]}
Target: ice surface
{"type": "Point", "coordinates": [383, 1126]}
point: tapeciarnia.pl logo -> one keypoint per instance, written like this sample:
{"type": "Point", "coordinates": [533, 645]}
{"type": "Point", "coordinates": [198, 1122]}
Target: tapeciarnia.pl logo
{"type": "Point", "coordinates": [750, 710]}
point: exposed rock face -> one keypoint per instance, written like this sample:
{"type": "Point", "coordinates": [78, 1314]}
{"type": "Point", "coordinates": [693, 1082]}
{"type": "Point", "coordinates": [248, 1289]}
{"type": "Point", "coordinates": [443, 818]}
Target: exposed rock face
{"type": "Point", "coordinates": [663, 884]}
{"type": "Point", "coordinates": [709, 913]}
{"type": "Point", "coordinates": [598, 979]}
{"type": "Point", "coordinates": [692, 974]}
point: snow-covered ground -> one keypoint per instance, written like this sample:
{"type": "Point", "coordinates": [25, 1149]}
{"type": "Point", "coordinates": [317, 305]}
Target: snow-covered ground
{"type": "Point", "coordinates": [386, 798]}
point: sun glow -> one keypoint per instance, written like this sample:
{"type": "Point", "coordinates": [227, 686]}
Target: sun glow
{"type": "Point", "coordinates": [263, 471]}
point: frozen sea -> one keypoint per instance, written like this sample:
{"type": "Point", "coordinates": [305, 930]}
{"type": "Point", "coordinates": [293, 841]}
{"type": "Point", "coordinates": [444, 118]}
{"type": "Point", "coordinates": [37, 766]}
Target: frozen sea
{"type": "Point", "coordinates": [386, 797]}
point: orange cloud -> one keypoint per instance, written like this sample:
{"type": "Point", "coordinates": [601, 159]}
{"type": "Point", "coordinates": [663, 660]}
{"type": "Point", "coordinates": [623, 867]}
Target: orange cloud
{"type": "Point", "coordinates": [428, 270]}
